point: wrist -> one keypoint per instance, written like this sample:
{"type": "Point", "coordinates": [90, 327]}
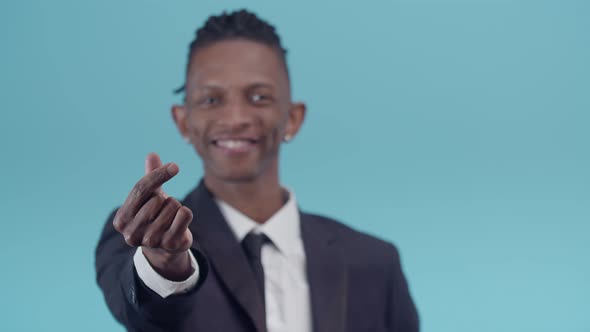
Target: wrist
{"type": "Point", "coordinates": [171, 266]}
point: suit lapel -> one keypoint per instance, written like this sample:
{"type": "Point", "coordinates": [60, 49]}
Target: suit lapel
{"type": "Point", "coordinates": [213, 235]}
{"type": "Point", "coordinates": [327, 276]}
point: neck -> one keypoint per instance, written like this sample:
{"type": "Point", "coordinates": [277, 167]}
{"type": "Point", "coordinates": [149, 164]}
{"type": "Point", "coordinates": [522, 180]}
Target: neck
{"type": "Point", "coordinates": [258, 199]}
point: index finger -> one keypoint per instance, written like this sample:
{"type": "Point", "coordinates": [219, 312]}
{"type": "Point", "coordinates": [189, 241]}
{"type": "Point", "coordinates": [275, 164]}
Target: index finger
{"type": "Point", "coordinates": [148, 184]}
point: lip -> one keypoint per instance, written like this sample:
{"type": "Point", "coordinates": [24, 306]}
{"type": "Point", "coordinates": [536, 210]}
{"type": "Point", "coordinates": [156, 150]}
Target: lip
{"type": "Point", "coordinates": [235, 145]}
{"type": "Point", "coordinates": [252, 139]}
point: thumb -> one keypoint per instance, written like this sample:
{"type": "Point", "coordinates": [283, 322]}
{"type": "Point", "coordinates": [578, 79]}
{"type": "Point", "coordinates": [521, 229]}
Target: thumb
{"type": "Point", "coordinates": [153, 161]}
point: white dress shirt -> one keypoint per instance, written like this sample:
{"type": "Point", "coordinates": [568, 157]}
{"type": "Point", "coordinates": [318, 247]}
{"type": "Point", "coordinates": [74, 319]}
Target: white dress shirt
{"type": "Point", "coordinates": [288, 306]}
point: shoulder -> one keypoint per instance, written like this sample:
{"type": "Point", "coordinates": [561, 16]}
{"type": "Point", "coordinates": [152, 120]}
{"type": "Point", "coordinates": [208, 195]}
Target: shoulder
{"type": "Point", "coordinates": [355, 244]}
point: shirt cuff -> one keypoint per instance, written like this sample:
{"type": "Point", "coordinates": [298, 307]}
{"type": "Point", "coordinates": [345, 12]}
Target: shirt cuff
{"type": "Point", "coordinates": [154, 281]}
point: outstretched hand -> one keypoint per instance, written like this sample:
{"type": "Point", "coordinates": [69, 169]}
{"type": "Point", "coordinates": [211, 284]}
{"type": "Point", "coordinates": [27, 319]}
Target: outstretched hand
{"type": "Point", "coordinates": [151, 219]}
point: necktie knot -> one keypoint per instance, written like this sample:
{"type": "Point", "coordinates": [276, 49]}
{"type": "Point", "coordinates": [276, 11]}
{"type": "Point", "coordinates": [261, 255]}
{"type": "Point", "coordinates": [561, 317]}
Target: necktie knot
{"type": "Point", "coordinates": [253, 243]}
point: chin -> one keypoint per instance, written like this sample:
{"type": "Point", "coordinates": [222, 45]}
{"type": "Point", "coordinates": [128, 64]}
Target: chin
{"type": "Point", "coordinates": [236, 175]}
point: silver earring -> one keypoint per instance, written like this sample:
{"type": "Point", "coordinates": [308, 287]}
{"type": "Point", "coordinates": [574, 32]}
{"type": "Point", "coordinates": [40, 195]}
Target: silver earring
{"type": "Point", "coordinates": [287, 138]}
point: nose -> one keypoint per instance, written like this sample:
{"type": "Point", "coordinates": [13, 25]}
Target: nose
{"type": "Point", "coordinates": [236, 114]}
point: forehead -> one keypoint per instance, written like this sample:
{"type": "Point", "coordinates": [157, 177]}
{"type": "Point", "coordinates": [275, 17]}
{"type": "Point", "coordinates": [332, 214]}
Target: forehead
{"type": "Point", "coordinates": [238, 62]}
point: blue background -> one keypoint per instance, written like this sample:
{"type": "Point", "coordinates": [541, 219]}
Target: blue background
{"type": "Point", "coordinates": [457, 129]}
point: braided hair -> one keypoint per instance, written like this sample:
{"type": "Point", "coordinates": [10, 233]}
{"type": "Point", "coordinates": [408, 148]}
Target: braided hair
{"type": "Point", "coordinates": [240, 24]}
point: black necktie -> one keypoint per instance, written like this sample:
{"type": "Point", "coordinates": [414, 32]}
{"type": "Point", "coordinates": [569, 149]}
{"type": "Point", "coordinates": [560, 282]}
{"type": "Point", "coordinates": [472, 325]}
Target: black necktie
{"type": "Point", "coordinates": [252, 244]}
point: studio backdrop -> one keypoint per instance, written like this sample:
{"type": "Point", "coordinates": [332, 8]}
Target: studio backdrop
{"type": "Point", "coordinates": [459, 130]}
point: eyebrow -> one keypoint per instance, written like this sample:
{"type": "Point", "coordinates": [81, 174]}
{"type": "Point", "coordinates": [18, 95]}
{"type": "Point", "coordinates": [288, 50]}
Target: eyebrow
{"type": "Point", "coordinates": [254, 85]}
{"type": "Point", "coordinates": [261, 85]}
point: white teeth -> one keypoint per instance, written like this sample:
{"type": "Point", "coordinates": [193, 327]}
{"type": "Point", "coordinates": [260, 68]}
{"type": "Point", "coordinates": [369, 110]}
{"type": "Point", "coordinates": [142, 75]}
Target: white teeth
{"type": "Point", "coordinates": [232, 144]}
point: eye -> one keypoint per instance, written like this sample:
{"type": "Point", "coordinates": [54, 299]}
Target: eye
{"type": "Point", "coordinates": [260, 98]}
{"type": "Point", "coordinates": [210, 101]}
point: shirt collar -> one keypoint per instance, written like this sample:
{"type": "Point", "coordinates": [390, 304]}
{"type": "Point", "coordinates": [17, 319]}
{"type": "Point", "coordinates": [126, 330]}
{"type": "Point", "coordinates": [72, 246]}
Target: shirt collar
{"type": "Point", "coordinates": [283, 227]}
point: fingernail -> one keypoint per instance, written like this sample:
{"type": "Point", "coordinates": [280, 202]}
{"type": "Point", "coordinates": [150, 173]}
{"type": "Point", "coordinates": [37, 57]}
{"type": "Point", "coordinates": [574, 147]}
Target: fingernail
{"type": "Point", "coordinates": [172, 169]}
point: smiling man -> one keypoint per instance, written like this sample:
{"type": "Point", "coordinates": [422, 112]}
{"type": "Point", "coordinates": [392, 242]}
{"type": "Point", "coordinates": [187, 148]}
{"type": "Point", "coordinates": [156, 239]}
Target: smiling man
{"type": "Point", "coordinates": [236, 254]}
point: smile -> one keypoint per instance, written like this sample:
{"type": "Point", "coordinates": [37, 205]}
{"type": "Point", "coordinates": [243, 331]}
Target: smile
{"type": "Point", "coordinates": [236, 145]}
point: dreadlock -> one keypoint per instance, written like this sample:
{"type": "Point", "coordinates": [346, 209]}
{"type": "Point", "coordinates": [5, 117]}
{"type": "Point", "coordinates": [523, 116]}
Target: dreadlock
{"type": "Point", "coordinates": [240, 24]}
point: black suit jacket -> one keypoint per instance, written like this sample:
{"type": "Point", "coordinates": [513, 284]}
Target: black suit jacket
{"type": "Point", "coordinates": [355, 280]}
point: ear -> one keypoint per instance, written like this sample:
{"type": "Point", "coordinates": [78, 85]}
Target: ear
{"type": "Point", "coordinates": [180, 116]}
{"type": "Point", "coordinates": [296, 118]}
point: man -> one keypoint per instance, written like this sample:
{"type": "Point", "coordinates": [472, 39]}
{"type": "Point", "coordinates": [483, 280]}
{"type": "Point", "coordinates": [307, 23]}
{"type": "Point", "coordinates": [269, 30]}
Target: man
{"type": "Point", "coordinates": [250, 260]}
